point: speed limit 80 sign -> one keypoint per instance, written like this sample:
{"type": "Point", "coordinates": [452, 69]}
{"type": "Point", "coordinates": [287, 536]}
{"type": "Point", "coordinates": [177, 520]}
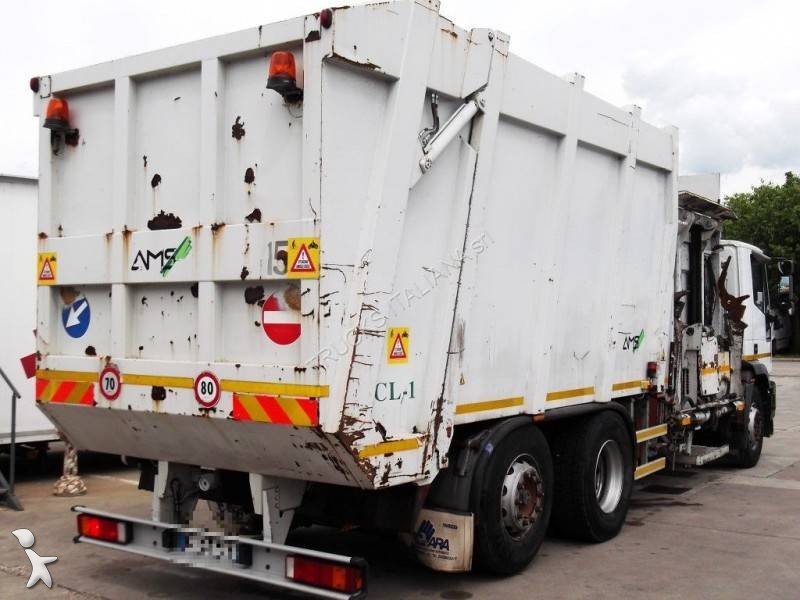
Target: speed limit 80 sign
{"type": "Point", "coordinates": [110, 383]}
{"type": "Point", "coordinates": [206, 389]}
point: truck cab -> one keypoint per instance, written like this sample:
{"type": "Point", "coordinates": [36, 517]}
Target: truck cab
{"type": "Point", "coordinates": [747, 276]}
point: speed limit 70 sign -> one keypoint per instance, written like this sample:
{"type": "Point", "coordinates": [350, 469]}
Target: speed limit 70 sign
{"type": "Point", "coordinates": [206, 389]}
{"type": "Point", "coordinates": [110, 383]}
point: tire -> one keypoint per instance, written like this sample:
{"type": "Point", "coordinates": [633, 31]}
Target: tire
{"type": "Point", "coordinates": [508, 535]}
{"type": "Point", "coordinates": [593, 465]}
{"type": "Point", "coordinates": [749, 442]}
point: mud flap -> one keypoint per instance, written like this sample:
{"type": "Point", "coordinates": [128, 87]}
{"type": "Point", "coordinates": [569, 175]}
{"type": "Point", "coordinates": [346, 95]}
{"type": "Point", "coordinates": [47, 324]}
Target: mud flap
{"type": "Point", "coordinates": [444, 540]}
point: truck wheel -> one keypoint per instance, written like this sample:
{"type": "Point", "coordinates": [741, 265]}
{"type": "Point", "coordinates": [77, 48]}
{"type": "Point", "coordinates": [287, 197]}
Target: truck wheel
{"type": "Point", "coordinates": [749, 442]}
{"type": "Point", "coordinates": [513, 502]}
{"type": "Point", "coordinates": [593, 465]}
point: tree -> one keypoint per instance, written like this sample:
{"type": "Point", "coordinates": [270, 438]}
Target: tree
{"type": "Point", "coordinates": [769, 217]}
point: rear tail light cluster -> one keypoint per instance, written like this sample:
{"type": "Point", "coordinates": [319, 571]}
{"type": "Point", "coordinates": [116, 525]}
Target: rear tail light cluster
{"type": "Point", "coordinates": [107, 530]}
{"type": "Point", "coordinates": [347, 578]}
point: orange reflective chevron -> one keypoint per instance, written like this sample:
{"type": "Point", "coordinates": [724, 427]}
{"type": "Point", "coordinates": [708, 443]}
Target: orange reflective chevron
{"type": "Point", "coordinates": [302, 412]}
{"type": "Point", "coordinates": [65, 392]}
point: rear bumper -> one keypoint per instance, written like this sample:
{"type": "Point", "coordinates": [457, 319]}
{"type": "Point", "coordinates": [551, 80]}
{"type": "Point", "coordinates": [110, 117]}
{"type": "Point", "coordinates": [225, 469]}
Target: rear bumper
{"type": "Point", "coordinates": [230, 555]}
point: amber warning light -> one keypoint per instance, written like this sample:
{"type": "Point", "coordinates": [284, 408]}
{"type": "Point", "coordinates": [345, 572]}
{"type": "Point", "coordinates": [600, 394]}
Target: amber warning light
{"type": "Point", "coordinates": [57, 121]}
{"type": "Point", "coordinates": [283, 76]}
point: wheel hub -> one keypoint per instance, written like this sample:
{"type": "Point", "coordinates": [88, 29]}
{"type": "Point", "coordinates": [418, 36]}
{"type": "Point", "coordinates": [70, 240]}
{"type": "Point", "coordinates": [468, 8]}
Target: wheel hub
{"type": "Point", "coordinates": [608, 476]}
{"type": "Point", "coordinates": [521, 496]}
{"type": "Point", "coordinates": [755, 426]}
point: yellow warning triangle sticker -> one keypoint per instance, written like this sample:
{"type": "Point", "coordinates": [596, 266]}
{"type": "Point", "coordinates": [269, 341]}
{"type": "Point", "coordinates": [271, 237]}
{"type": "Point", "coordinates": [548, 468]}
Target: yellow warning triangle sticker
{"type": "Point", "coordinates": [303, 263]}
{"type": "Point", "coordinates": [398, 350]}
{"type": "Point", "coordinates": [46, 274]}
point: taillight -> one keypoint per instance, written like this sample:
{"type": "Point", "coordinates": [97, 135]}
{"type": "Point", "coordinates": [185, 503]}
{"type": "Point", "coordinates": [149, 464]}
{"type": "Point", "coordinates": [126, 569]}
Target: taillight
{"type": "Point", "coordinates": [57, 116]}
{"type": "Point", "coordinates": [349, 579]}
{"type": "Point", "coordinates": [652, 369]}
{"type": "Point", "coordinates": [34, 84]}
{"type": "Point", "coordinates": [283, 76]}
{"type": "Point", "coordinates": [107, 530]}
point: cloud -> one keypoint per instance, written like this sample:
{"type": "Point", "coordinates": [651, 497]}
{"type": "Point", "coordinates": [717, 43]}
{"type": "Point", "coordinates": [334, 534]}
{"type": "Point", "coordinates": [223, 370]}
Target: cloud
{"type": "Point", "coordinates": [726, 124]}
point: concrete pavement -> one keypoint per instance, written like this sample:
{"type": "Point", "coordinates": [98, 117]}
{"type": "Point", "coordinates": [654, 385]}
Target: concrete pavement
{"type": "Point", "coordinates": [714, 532]}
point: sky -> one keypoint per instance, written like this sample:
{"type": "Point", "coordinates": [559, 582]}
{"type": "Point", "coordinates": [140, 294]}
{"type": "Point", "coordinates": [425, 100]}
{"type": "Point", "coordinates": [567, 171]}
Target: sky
{"type": "Point", "coordinates": [725, 72]}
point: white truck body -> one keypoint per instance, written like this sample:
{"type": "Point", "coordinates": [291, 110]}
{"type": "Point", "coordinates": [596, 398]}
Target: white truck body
{"type": "Point", "coordinates": [562, 183]}
{"type": "Point", "coordinates": [18, 316]}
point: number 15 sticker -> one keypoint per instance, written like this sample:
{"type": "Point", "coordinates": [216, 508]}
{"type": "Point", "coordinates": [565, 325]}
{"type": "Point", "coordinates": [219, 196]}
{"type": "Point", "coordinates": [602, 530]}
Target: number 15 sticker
{"type": "Point", "coordinates": [206, 389]}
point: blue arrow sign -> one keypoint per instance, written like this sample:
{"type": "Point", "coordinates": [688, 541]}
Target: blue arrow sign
{"type": "Point", "coordinates": [76, 317]}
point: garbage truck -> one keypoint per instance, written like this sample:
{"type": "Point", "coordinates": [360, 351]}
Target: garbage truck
{"type": "Point", "coordinates": [367, 268]}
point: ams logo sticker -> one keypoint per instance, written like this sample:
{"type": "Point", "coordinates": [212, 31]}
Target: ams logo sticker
{"type": "Point", "coordinates": [164, 259]}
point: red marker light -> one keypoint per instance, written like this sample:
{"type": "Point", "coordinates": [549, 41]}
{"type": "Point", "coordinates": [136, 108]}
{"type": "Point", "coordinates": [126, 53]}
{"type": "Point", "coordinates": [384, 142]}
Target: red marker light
{"type": "Point", "coordinates": [652, 369]}
{"type": "Point", "coordinates": [34, 83]}
{"type": "Point", "coordinates": [57, 116]}
{"type": "Point", "coordinates": [326, 18]}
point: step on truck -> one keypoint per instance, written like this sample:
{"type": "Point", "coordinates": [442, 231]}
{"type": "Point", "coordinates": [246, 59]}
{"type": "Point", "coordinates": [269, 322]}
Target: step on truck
{"type": "Point", "coordinates": [367, 268]}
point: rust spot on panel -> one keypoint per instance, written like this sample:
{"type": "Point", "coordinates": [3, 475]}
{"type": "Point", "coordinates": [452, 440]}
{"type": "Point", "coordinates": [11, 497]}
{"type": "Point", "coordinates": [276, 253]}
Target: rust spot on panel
{"type": "Point", "coordinates": [363, 65]}
{"type": "Point", "coordinates": [254, 216]}
{"type": "Point", "coordinates": [158, 393]}
{"type": "Point", "coordinates": [300, 369]}
{"type": "Point", "coordinates": [249, 175]}
{"type": "Point", "coordinates": [42, 235]}
{"type": "Point", "coordinates": [254, 294]}
{"type": "Point", "coordinates": [216, 226]}
{"type": "Point", "coordinates": [313, 36]}
{"type": "Point", "coordinates": [68, 295]}
{"type": "Point", "coordinates": [155, 181]}
{"type": "Point", "coordinates": [292, 297]}
{"type": "Point", "coordinates": [193, 289]}
{"type": "Point", "coordinates": [237, 129]}
{"type": "Point", "coordinates": [144, 300]}
{"type": "Point", "coordinates": [60, 231]}
{"type": "Point", "coordinates": [164, 221]}
{"type": "Point", "coordinates": [144, 160]}
{"type": "Point", "coordinates": [90, 351]}
{"type": "Point", "coordinates": [243, 275]}
{"type": "Point", "coordinates": [381, 430]}
{"type": "Point", "coordinates": [256, 323]}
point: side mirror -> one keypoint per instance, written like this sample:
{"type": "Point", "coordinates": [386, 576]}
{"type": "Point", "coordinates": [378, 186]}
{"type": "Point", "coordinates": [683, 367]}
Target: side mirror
{"type": "Point", "coordinates": [785, 266]}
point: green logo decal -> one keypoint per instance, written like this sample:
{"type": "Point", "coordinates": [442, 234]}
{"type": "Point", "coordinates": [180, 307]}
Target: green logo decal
{"type": "Point", "coordinates": [181, 252]}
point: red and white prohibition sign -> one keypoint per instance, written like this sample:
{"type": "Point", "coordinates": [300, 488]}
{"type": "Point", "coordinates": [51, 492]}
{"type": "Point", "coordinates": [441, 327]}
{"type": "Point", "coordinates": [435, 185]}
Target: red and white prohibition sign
{"type": "Point", "coordinates": [281, 326]}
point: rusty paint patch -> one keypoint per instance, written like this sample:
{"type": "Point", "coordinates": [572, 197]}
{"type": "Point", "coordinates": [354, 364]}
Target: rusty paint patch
{"type": "Point", "coordinates": [155, 181]}
{"type": "Point", "coordinates": [216, 226]}
{"type": "Point", "coordinates": [292, 297]}
{"type": "Point", "coordinates": [158, 393]}
{"type": "Point", "coordinates": [144, 160]}
{"type": "Point", "coordinates": [313, 36]}
{"type": "Point", "coordinates": [245, 272]}
{"type": "Point", "coordinates": [254, 294]}
{"type": "Point", "coordinates": [254, 216]}
{"type": "Point", "coordinates": [90, 351]}
{"type": "Point", "coordinates": [363, 65]}
{"type": "Point", "coordinates": [237, 129]}
{"type": "Point", "coordinates": [193, 289]}
{"type": "Point", "coordinates": [249, 175]}
{"type": "Point", "coordinates": [164, 221]}
{"type": "Point", "coordinates": [68, 295]}
{"type": "Point", "coordinates": [42, 235]}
